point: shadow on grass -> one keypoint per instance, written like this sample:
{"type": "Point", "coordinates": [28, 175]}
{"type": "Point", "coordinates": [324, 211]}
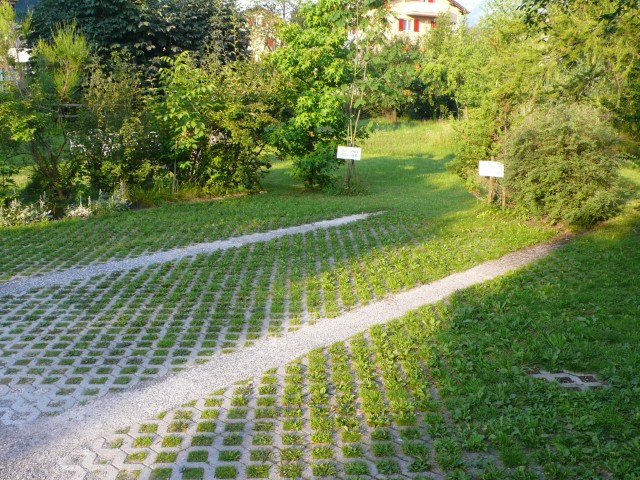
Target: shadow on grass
{"type": "Point", "coordinates": [576, 310]}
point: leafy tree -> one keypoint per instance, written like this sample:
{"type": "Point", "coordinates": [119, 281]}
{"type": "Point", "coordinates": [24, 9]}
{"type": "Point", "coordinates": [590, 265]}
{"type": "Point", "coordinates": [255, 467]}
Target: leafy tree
{"type": "Point", "coordinates": [399, 87]}
{"type": "Point", "coordinates": [215, 119]}
{"type": "Point", "coordinates": [12, 115]}
{"type": "Point", "coordinates": [114, 142]}
{"type": "Point", "coordinates": [59, 67]}
{"type": "Point", "coordinates": [150, 29]}
{"type": "Point", "coordinates": [328, 59]}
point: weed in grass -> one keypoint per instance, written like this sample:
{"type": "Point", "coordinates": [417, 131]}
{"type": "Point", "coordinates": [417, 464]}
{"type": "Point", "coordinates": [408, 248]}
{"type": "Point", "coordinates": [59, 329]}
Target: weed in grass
{"type": "Point", "coordinates": [292, 424]}
{"type": "Point", "coordinates": [234, 426]}
{"type": "Point", "coordinates": [234, 439]}
{"type": "Point", "coordinates": [262, 439]}
{"type": "Point", "coordinates": [166, 457]}
{"type": "Point", "coordinates": [148, 428]}
{"type": "Point", "coordinates": [382, 449]}
{"type": "Point", "coordinates": [290, 469]}
{"type": "Point", "coordinates": [352, 451]}
{"type": "Point", "coordinates": [356, 468]}
{"type": "Point", "coordinates": [136, 457]}
{"type": "Point", "coordinates": [206, 427]}
{"type": "Point", "coordinates": [322, 452]}
{"type": "Point", "coordinates": [229, 455]}
{"type": "Point", "coordinates": [260, 455]}
{"type": "Point", "coordinates": [380, 434]}
{"type": "Point", "coordinates": [142, 442]}
{"type": "Point", "coordinates": [291, 453]}
{"type": "Point", "coordinates": [161, 474]}
{"type": "Point", "coordinates": [262, 426]}
{"type": "Point", "coordinates": [322, 437]}
{"type": "Point", "coordinates": [128, 475]}
{"type": "Point", "coordinates": [201, 441]}
{"type": "Point", "coordinates": [324, 469]}
{"type": "Point", "coordinates": [387, 467]}
{"type": "Point", "coordinates": [179, 426]}
{"type": "Point", "coordinates": [208, 414]}
{"type": "Point", "coordinates": [291, 439]}
{"type": "Point", "coordinates": [172, 441]}
{"type": "Point", "coordinates": [117, 443]}
{"type": "Point", "coordinates": [195, 474]}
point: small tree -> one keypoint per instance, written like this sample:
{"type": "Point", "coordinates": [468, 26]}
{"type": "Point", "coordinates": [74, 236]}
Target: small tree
{"type": "Point", "coordinates": [328, 58]}
{"type": "Point", "coordinates": [12, 115]}
{"type": "Point", "coordinates": [59, 72]}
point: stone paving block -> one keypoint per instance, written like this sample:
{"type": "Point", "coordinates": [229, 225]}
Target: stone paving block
{"type": "Point", "coordinates": [571, 380]}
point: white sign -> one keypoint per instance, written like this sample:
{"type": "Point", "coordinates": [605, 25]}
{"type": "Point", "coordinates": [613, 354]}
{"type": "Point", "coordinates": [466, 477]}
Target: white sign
{"type": "Point", "coordinates": [349, 153]}
{"type": "Point", "coordinates": [491, 169]}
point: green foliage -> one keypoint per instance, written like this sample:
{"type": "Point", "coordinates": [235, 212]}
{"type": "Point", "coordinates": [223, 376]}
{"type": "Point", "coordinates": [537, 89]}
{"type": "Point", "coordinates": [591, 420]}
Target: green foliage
{"type": "Point", "coordinates": [330, 81]}
{"type": "Point", "coordinates": [560, 163]}
{"type": "Point", "coordinates": [214, 119]}
{"type": "Point", "coordinates": [149, 30]}
{"type": "Point", "coordinates": [316, 168]}
{"type": "Point", "coordinates": [576, 58]}
{"type": "Point", "coordinates": [60, 65]}
{"type": "Point", "coordinates": [113, 140]}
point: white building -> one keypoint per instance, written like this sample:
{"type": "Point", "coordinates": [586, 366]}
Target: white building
{"type": "Point", "coordinates": [417, 17]}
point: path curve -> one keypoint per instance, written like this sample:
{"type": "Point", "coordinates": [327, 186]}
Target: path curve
{"type": "Point", "coordinates": [36, 451]}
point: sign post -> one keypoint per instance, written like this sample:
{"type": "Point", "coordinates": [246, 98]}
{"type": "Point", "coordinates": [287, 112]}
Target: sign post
{"type": "Point", "coordinates": [349, 155]}
{"type": "Point", "coordinates": [492, 170]}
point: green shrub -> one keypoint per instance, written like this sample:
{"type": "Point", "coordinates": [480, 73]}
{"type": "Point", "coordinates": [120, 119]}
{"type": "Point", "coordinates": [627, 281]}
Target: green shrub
{"type": "Point", "coordinates": [561, 164]}
{"type": "Point", "coordinates": [317, 168]}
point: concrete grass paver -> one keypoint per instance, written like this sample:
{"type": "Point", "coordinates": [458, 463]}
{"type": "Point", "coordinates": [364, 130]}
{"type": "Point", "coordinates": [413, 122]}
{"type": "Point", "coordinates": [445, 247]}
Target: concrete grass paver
{"type": "Point", "coordinates": [35, 450]}
{"type": "Point", "coordinates": [64, 277]}
{"type": "Point", "coordinates": [66, 345]}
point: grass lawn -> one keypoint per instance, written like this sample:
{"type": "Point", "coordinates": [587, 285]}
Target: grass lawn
{"type": "Point", "coordinates": [404, 170]}
{"type": "Point", "coordinates": [447, 389]}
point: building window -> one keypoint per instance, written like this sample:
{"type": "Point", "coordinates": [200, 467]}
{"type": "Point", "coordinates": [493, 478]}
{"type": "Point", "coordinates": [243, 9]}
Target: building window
{"type": "Point", "coordinates": [434, 25]}
{"type": "Point", "coordinates": [404, 25]}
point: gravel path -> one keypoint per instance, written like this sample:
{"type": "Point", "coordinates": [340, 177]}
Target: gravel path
{"type": "Point", "coordinates": [64, 277]}
{"type": "Point", "coordinates": [36, 451]}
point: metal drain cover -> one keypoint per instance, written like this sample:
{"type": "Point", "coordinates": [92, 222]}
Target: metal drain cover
{"type": "Point", "coordinates": [572, 380]}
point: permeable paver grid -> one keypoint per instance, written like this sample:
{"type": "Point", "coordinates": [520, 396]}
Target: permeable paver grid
{"type": "Point", "coordinates": [387, 397]}
{"type": "Point", "coordinates": [67, 345]}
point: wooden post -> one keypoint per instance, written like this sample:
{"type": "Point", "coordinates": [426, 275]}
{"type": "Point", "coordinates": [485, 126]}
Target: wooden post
{"type": "Point", "coordinates": [492, 181]}
{"type": "Point", "coordinates": [504, 198]}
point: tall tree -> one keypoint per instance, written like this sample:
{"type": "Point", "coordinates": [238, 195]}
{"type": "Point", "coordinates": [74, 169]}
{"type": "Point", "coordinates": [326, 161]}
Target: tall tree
{"type": "Point", "coordinates": [149, 29]}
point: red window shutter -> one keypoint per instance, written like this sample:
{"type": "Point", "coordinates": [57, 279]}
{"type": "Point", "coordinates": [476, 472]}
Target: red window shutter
{"type": "Point", "coordinates": [416, 25]}
{"type": "Point", "coordinates": [434, 25]}
{"type": "Point", "coordinates": [400, 24]}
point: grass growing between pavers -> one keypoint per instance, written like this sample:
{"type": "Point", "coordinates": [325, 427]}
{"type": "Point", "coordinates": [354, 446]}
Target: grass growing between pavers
{"type": "Point", "coordinates": [108, 333]}
{"type": "Point", "coordinates": [445, 390]}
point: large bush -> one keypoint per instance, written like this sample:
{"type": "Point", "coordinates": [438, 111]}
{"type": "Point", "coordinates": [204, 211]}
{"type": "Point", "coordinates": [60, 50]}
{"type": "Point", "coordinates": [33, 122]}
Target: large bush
{"type": "Point", "coordinates": [561, 164]}
{"type": "Point", "coordinates": [214, 118]}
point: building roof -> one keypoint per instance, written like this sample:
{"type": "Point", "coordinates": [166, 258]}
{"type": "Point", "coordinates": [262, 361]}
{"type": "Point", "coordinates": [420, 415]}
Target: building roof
{"type": "Point", "coordinates": [459, 6]}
